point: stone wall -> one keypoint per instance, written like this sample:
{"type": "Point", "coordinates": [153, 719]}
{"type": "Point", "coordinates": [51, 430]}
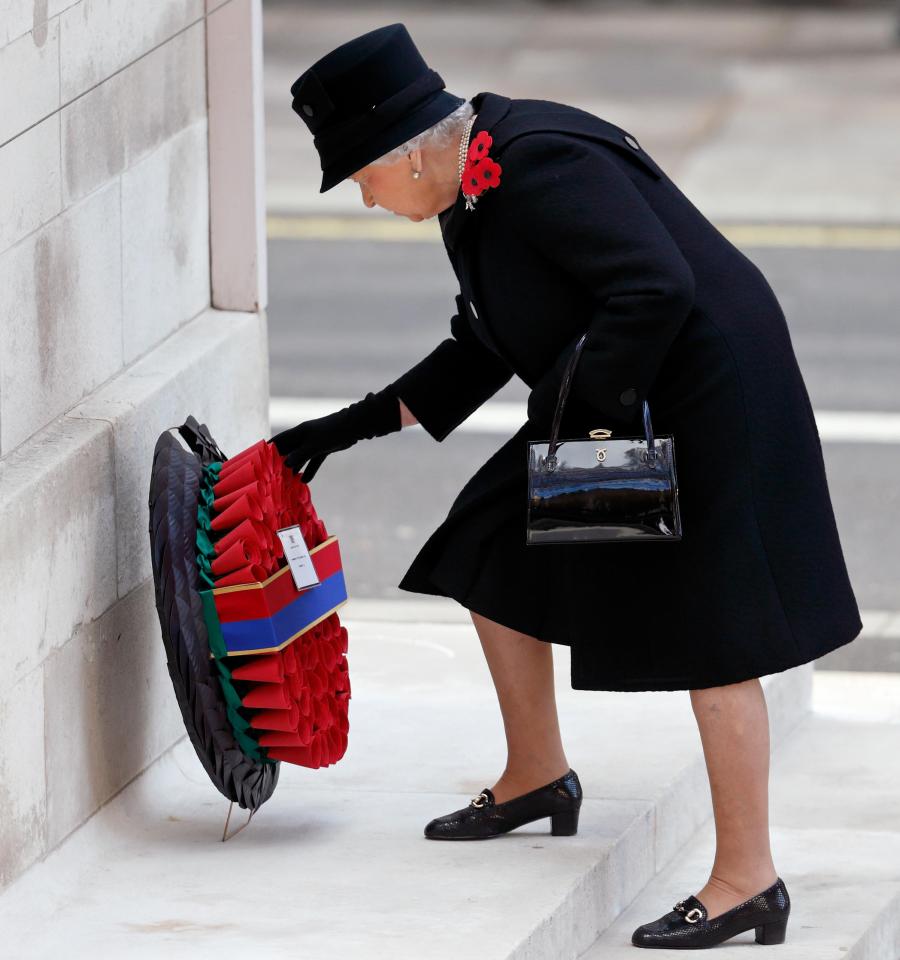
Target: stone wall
{"type": "Point", "coordinates": [132, 292]}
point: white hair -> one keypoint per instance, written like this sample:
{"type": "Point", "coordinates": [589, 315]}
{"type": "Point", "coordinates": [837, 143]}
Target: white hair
{"type": "Point", "coordinates": [440, 135]}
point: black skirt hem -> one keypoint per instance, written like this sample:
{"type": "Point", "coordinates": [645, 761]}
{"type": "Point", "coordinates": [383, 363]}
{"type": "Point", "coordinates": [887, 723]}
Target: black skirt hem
{"type": "Point", "coordinates": [669, 685]}
{"type": "Point", "coordinates": [642, 685]}
{"type": "Point", "coordinates": [479, 607]}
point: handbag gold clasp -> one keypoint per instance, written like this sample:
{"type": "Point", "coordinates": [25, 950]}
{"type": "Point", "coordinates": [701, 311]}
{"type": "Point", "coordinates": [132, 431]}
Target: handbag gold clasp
{"type": "Point", "coordinates": [600, 433]}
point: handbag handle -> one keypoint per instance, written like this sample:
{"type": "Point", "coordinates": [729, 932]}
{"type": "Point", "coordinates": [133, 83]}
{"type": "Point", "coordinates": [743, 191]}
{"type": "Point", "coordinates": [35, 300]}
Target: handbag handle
{"type": "Point", "coordinates": [566, 384]}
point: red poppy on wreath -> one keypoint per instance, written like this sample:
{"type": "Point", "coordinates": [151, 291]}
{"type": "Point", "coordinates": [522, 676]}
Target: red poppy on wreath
{"type": "Point", "coordinates": [480, 170]}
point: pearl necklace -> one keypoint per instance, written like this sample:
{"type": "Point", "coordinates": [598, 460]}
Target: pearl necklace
{"type": "Point", "coordinates": [464, 146]}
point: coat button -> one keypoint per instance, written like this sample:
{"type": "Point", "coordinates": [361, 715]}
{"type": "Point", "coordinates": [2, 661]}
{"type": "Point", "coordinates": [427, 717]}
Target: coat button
{"type": "Point", "coordinates": [308, 110]}
{"type": "Point", "coordinates": [628, 396]}
{"type": "Point", "coordinates": [629, 139]}
{"type": "Point", "coordinates": [474, 311]}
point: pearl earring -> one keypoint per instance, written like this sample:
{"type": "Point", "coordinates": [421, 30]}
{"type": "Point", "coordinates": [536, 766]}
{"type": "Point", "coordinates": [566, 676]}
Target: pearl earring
{"type": "Point", "coordinates": [417, 174]}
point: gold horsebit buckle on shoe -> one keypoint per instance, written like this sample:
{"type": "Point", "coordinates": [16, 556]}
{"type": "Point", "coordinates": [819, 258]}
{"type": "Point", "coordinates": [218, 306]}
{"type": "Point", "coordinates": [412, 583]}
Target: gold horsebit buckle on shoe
{"type": "Point", "coordinates": [687, 915]}
{"type": "Point", "coordinates": [483, 797]}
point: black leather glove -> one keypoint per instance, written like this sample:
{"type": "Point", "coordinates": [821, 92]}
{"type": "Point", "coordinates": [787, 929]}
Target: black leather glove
{"type": "Point", "coordinates": [375, 415]}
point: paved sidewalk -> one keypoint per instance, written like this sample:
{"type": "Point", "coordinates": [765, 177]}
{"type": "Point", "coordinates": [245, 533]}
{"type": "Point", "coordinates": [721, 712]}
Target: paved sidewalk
{"type": "Point", "coordinates": [835, 825]}
{"type": "Point", "coordinates": [335, 864]}
{"type": "Point", "coordinates": [758, 114]}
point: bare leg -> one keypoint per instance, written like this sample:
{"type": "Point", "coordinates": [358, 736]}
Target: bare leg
{"type": "Point", "coordinates": [522, 670]}
{"type": "Point", "coordinates": [734, 730]}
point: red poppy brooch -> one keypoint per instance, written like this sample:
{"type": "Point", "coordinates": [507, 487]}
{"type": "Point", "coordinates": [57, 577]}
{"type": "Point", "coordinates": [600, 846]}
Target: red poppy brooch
{"type": "Point", "coordinates": [480, 170]}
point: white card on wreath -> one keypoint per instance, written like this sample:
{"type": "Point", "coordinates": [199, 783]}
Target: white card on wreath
{"type": "Point", "coordinates": [297, 555]}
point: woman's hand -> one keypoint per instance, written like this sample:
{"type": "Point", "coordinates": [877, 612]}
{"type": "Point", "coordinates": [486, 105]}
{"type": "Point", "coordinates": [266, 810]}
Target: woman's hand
{"type": "Point", "coordinates": [311, 441]}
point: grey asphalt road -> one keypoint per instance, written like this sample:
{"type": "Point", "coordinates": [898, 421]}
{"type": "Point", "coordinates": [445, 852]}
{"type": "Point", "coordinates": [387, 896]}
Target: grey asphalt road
{"type": "Point", "coordinates": [348, 316]}
{"type": "Point", "coordinates": [763, 115]}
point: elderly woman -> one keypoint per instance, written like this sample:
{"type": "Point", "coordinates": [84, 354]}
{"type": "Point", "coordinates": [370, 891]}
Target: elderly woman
{"type": "Point", "coordinates": [557, 222]}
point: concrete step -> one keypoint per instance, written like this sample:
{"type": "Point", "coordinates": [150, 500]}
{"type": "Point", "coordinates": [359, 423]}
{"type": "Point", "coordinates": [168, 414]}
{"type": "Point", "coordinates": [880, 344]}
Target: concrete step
{"type": "Point", "coordinates": [835, 818]}
{"type": "Point", "coordinates": [335, 864]}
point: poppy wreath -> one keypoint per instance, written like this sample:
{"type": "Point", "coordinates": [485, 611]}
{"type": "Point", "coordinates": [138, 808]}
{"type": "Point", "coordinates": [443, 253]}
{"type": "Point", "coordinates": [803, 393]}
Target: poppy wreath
{"type": "Point", "coordinates": [479, 171]}
{"type": "Point", "coordinates": [258, 666]}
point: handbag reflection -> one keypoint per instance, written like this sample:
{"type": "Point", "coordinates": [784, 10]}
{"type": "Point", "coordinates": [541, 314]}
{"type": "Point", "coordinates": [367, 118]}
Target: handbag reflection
{"type": "Point", "coordinates": [585, 491]}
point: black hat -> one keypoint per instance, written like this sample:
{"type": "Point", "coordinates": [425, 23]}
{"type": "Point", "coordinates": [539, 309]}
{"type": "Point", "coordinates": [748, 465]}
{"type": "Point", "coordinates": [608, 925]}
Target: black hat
{"type": "Point", "coordinates": [367, 97]}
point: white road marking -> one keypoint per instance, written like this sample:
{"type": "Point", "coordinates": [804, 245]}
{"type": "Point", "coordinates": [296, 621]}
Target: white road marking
{"type": "Point", "coordinates": [881, 623]}
{"type": "Point", "coordinates": [504, 416]}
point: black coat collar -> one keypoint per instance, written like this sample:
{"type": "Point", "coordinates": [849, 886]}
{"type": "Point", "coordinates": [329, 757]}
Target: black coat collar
{"type": "Point", "coordinates": [490, 108]}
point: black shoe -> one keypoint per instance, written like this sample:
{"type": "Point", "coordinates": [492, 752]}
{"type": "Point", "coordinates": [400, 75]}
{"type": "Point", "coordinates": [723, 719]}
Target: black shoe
{"type": "Point", "coordinates": [686, 927]}
{"type": "Point", "coordinates": [484, 817]}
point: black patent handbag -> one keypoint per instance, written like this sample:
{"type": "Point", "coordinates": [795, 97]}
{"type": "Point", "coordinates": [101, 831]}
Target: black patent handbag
{"type": "Point", "coordinates": [582, 491]}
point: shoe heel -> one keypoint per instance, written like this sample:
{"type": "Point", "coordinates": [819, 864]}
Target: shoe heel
{"type": "Point", "coordinates": [565, 823]}
{"type": "Point", "coordinates": [773, 932]}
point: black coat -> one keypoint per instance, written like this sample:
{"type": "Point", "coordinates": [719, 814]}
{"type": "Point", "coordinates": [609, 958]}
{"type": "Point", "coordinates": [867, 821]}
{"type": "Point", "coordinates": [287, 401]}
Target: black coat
{"type": "Point", "coordinates": [584, 230]}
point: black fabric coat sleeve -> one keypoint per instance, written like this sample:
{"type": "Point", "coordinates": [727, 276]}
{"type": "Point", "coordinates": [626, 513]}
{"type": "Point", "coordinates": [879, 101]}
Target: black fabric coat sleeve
{"type": "Point", "coordinates": [456, 378]}
{"type": "Point", "coordinates": [577, 205]}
